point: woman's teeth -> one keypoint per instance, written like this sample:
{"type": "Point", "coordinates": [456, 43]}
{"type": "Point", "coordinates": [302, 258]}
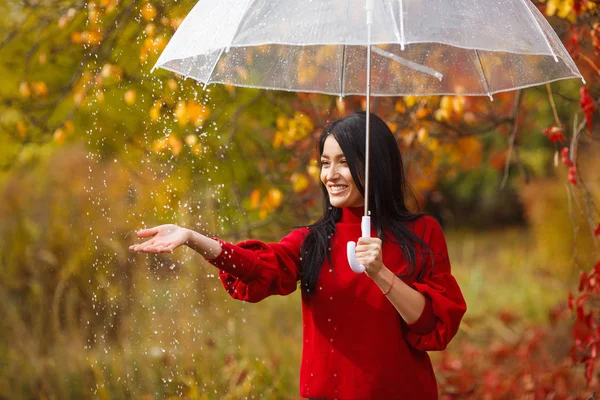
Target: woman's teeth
{"type": "Point", "coordinates": [336, 189]}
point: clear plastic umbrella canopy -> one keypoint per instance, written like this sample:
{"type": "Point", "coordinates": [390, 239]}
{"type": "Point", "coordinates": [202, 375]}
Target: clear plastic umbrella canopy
{"type": "Point", "coordinates": [369, 47]}
{"type": "Point", "coordinates": [432, 47]}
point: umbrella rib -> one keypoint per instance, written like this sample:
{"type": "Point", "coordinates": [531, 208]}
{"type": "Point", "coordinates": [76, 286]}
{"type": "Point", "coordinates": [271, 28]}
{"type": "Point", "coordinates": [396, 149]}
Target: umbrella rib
{"type": "Point", "coordinates": [540, 29]}
{"type": "Point", "coordinates": [401, 25]}
{"type": "Point", "coordinates": [212, 70]}
{"type": "Point", "coordinates": [482, 71]}
{"type": "Point", "coordinates": [342, 71]}
{"type": "Point", "coordinates": [342, 75]}
{"type": "Point", "coordinates": [396, 30]}
{"type": "Point", "coordinates": [407, 63]}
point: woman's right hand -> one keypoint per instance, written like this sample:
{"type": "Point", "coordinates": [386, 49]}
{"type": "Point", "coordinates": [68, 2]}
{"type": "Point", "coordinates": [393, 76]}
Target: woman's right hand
{"type": "Point", "coordinates": [163, 239]}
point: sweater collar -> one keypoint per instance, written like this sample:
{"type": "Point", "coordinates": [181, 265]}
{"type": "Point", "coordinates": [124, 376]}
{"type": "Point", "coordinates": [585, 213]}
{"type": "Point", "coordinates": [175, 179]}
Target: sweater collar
{"type": "Point", "coordinates": [352, 215]}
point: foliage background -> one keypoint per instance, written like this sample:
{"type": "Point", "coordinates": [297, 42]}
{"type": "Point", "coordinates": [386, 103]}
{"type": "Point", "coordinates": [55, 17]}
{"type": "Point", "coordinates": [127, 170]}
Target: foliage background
{"type": "Point", "coordinates": [93, 147]}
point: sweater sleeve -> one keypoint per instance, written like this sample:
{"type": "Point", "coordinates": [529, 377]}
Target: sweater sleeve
{"type": "Point", "coordinates": [444, 302]}
{"type": "Point", "coordinates": [253, 270]}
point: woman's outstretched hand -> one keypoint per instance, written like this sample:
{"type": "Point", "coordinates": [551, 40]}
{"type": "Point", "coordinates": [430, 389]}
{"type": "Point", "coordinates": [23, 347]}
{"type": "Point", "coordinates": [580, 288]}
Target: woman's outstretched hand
{"type": "Point", "coordinates": [162, 239]}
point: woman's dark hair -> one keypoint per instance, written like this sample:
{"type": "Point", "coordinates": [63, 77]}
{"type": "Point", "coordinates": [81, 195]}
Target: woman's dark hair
{"type": "Point", "coordinates": [388, 191]}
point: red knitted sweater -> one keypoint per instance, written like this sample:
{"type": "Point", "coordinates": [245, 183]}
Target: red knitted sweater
{"type": "Point", "coordinates": [355, 343]}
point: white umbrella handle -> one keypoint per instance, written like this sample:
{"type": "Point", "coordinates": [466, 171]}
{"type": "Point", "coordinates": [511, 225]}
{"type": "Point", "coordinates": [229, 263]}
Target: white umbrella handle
{"type": "Point", "coordinates": [351, 248]}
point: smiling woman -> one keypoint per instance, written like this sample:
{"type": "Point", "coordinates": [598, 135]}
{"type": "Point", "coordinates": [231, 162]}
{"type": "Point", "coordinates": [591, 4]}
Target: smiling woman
{"type": "Point", "coordinates": [365, 336]}
{"type": "Point", "coordinates": [337, 178]}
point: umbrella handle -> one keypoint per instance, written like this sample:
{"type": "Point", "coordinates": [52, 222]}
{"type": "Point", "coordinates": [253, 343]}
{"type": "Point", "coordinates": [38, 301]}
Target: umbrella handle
{"type": "Point", "coordinates": [365, 227]}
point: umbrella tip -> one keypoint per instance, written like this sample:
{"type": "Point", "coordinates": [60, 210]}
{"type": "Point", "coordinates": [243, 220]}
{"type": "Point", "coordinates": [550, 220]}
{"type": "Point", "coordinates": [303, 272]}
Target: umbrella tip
{"type": "Point", "coordinates": [491, 97]}
{"type": "Point", "coordinates": [583, 80]}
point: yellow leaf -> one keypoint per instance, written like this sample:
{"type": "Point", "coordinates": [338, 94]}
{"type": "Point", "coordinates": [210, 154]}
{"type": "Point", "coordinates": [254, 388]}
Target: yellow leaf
{"type": "Point", "coordinates": [313, 170]}
{"type": "Point", "coordinates": [469, 117]}
{"type": "Point", "coordinates": [441, 114]}
{"type": "Point", "coordinates": [304, 120]}
{"type": "Point", "coordinates": [21, 129]}
{"type": "Point", "coordinates": [191, 140]}
{"type": "Point", "coordinates": [155, 110]}
{"type": "Point", "coordinates": [63, 21]}
{"type": "Point", "coordinates": [24, 89]}
{"type": "Point", "coordinates": [446, 104]}
{"type": "Point", "coordinates": [274, 197]}
{"type": "Point", "coordinates": [392, 125]}
{"type": "Point", "coordinates": [91, 37]}
{"type": "Point", "coordinates": [172, 84]}
{"type": "Point", "coordinates": [79, 96]}
{"type": "Point", "coordinates": [197, 113]}
{"type": "Point", "coordinates": [433, 144]}
{"type": "Point", "coordinates": [174, 143]}
{"type": "Point", "coordinates": [340, 105]}
{"type": "Point", "coordinates": [565, 8]}
{"type": "Point", "coordinates": [197, 149]}
{"type": "Point", "coordinates": [307, 74]}
{"type": "Point", "coordinates": [299, 182]}
{"type": "Point", "coordinates": [281, 122]}
{"type": "Point", "coordinates": [69, 127]}
{"type": "Point", "coordinates": [278, 139]}
{"type": "Point", "coordinates": [59, 136]}
{"type": "Point", "coordinates": [410, 101]}
{"type": "Point", "coordinates": [159, 145]}
{"type": "Point", "coordinates": [130, 97]}
{"type": "Point", "coordinates": [422, 135]}
{"type": "Point", "coordinates": [175, 22]}
{"type": "Point", "coordinates": [39, 89]}
{"type": "Point", "coordinates": [76, 37]}
{"type": "Point", "coordinates": [150, 29]}
{"type": "Point", "coordinates": [242, 72]}
{"type": "Point", "coordinates": [551, 7]}
{"type": "Point", "coordinates": [181, 113]}
{"type": "Point", "coordinates": [458, 104]}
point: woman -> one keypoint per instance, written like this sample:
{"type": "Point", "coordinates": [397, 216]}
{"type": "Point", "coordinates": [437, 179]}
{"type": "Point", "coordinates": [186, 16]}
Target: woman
{"type": "Point", "coordinates": [365, 336]}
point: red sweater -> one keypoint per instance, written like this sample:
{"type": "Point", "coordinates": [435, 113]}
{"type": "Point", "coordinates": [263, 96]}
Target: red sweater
{"type": "Point", "coordinates": [356, 345]}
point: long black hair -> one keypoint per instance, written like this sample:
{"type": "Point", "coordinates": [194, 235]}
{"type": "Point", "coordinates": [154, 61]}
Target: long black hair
{"type": "Point", "coordinates": [388, 192]}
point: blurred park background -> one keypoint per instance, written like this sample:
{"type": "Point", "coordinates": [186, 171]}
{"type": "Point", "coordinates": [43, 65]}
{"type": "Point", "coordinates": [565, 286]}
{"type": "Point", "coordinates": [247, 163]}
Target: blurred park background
{"type": "Point", "coordinates": [93, 147]}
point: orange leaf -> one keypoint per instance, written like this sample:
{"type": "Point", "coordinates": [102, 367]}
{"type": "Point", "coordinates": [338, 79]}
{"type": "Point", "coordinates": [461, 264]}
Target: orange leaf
{"type": "Point", "coordinates": [148, 12]}
{"type": "Point", "coordinates": [255, 198]}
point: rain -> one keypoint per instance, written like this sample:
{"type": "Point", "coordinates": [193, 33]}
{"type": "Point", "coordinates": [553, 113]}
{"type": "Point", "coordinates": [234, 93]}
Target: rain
{"type": "Point", "coordinates": [112, 124]}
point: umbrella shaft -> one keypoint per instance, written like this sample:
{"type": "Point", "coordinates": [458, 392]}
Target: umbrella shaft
{"type": "Point", "coordinates": [368, 127]}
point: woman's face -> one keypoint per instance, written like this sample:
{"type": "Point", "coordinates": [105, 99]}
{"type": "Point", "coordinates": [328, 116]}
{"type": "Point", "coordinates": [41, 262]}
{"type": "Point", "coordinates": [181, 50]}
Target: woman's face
{"type": "Point", "coordinates": [335, 175]}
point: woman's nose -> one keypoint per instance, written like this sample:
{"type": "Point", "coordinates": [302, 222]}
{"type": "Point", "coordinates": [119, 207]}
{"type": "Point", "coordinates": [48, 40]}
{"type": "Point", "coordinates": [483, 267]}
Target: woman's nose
{"type": "Point", "coordinates": [332, 172]}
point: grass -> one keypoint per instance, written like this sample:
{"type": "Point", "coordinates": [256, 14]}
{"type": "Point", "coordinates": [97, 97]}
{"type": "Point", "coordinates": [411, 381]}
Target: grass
{"type": "Point", "coordinates": [185, 338]}
{"type": "Point", "coordinates": [500, 271]}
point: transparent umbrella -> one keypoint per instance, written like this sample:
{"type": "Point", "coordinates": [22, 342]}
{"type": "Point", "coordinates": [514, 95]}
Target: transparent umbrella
{"type": "Point", "coordinates": [369, 47]}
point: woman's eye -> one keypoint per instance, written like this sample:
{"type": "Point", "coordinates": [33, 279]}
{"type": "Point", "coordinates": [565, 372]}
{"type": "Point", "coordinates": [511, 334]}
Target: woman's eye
{"type": "Point", "coordinates": [324, 163]}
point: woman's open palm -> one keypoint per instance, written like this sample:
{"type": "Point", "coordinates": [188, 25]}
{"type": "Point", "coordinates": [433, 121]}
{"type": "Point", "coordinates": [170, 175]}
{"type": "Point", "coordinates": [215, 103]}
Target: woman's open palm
{"type": "Point", "coordinates": [163, 239]}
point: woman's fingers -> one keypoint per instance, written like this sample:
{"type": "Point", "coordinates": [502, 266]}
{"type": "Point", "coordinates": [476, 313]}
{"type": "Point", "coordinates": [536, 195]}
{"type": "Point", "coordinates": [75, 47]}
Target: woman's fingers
{"type": "Point", "coordinates": [153, 246]}
{"type": "Point", "coordinates": [147, 232]}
